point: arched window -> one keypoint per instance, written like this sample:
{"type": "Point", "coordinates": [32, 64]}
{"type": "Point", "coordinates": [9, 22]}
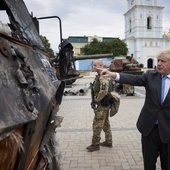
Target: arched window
{"type": "Point", "coordinates": [149, 23]}
{"type": "Point", "coordinates": [150, 63]}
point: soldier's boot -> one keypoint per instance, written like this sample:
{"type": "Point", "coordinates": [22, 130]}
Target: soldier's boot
{"type": "Point", "coordinates": [92, 148]}
{"type": "Point", "coordinates": [109, 145]}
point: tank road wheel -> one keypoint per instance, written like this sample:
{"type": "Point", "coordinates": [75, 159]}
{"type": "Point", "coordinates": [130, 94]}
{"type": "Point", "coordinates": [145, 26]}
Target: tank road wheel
{"type": "Point", "coordinates": [65, 58]}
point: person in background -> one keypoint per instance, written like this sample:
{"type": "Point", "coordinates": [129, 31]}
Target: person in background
{"type": "Point", "coordinates": [102, 86]}
{"type": "Point", "coordinates": [154, 119]}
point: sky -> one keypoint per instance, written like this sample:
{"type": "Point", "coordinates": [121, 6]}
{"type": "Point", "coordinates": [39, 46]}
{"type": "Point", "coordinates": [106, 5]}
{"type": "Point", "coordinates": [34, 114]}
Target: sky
{"type": "Point", "coordinates": [85, 18]}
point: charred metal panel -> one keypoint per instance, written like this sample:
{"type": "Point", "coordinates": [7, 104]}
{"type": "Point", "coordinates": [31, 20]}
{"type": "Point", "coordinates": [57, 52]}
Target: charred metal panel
{"type": "Point", "coordinates": [28, 78]}
{"type": "Point", "coordinates": [30, 91]}
{"type": "Point", "coordinates": [22, 25]}
{"type": "Point", "coordinates": [30, 95]}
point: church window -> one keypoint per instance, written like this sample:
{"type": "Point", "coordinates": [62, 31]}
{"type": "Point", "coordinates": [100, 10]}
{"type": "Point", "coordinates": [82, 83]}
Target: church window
{"type": "Point", "coordinates": [130, 26]}
{"type": "Point", "coordinates": [149, 23]}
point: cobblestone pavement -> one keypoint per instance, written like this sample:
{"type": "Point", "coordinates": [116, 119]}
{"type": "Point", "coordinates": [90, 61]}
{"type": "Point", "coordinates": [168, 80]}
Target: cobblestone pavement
{"type": "Point", "coordinates": [75, 133]}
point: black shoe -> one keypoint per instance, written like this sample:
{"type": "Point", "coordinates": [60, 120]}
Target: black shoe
{"type": "Point", "coordinates": [92, 148]}
{"type": "Point", "coordinates": [109, 145]}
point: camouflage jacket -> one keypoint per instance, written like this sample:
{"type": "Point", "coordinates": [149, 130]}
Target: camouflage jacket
{"type": "Point", "coordinates": [101, 87]}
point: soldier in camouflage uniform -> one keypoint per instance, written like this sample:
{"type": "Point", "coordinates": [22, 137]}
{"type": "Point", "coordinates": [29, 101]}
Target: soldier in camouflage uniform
{"type": "Point", "coordinates": [101, 119]}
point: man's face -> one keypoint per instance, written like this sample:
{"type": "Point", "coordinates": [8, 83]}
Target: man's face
{"type": "Point", "coordinates": [98, 65]}
{"type": "Point", "coordinates": [163, 65]}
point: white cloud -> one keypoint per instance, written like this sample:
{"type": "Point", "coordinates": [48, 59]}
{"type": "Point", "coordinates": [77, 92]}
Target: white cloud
{"type": "Point", "coordinates": [90, 17]}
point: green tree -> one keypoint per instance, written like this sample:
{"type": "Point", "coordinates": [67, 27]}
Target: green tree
{"type": "Point", "coordinates": [47, 45]}
{"type": "Point", "coordinates": [92, 48]}
{"type": "Point", "coordinates": [116, 46]}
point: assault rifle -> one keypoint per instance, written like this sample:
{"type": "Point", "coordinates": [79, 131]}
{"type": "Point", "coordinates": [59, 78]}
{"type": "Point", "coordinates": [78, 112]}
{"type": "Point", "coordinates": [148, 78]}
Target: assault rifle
{"type": "Point", "coordinates": [93, 105]}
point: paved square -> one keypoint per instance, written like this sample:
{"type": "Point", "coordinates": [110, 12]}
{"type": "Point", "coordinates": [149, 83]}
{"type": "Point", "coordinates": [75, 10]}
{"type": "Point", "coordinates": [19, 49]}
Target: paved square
{"type": "Point", "coordinates": [75, 133]}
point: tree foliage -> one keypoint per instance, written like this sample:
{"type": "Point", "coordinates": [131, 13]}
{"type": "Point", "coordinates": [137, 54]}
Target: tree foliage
{"type": "Point", "coordinates": [116, 46]}
{"type": "Point", "coordinates": [47, 45]}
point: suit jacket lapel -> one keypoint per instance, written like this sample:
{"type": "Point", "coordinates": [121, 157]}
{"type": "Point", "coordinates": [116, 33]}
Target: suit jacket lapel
{"type": "Point", "coordinates": [167, 98]}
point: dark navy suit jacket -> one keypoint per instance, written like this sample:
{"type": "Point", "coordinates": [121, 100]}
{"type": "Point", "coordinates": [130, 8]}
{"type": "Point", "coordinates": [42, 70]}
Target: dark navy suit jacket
{"type": "Point", "coordinates": [152, 110]}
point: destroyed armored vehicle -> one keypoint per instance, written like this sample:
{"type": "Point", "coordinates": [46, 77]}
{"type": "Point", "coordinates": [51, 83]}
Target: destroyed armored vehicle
{"type": "Point", "coordinates": [126, 65]}
{"type": "Point", "coordinates": [30, 95]}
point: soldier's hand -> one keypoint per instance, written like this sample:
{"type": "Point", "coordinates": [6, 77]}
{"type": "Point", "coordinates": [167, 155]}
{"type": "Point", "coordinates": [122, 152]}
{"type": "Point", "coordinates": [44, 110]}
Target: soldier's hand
{"type": "Point", "coordinates": [93, 106]}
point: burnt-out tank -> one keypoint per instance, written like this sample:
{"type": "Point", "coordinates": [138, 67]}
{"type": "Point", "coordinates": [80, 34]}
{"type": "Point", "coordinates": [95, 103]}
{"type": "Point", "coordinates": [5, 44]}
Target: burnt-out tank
{"type": "Point", "coordinates": [30, 95]}
{"type": "Point", "coordinates": [126, 65]}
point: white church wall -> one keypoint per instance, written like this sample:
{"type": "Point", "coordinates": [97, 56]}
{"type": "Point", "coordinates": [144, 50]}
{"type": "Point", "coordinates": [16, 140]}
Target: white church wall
{"type": "Point", "coordinates": [144, 39]}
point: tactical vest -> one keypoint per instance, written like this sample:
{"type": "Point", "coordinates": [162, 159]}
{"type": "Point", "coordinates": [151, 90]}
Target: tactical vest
{"type": "Point", "coordinates": [97, 85]}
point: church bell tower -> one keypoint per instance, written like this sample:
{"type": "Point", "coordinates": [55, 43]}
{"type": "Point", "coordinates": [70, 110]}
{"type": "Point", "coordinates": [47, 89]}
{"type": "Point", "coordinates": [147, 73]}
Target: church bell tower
{"type": "Point", "coordinates": [143, 29]}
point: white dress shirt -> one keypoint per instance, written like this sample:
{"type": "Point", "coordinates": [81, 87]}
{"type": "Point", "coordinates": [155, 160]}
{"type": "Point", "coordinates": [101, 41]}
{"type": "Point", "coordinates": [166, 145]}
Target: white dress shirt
{"type": "Point", "coordinates": [167, 83]}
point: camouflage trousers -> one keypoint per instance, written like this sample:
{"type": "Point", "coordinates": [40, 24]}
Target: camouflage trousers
{"type": "Point", "coordinates": [101, 122]}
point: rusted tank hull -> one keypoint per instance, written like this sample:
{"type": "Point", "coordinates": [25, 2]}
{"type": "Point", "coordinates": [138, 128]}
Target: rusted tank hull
{"type": "Point", "coordinates": [28, 109]}
{"type": "Point", "coordinates": [30, 95]}
{"type": "Point", "coordinates": [126, 65]}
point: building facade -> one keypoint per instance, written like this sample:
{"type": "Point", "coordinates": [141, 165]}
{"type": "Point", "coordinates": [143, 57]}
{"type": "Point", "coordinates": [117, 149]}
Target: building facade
{"type": "Point", "coordinates": [143, 31]}
{"type": "Point", "coordinates": [80, 41]}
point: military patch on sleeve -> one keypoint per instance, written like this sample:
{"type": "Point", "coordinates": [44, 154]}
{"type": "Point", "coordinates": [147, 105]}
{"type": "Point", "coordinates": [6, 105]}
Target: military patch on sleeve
{"type": "Point", "coordinates": [103, 86]}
